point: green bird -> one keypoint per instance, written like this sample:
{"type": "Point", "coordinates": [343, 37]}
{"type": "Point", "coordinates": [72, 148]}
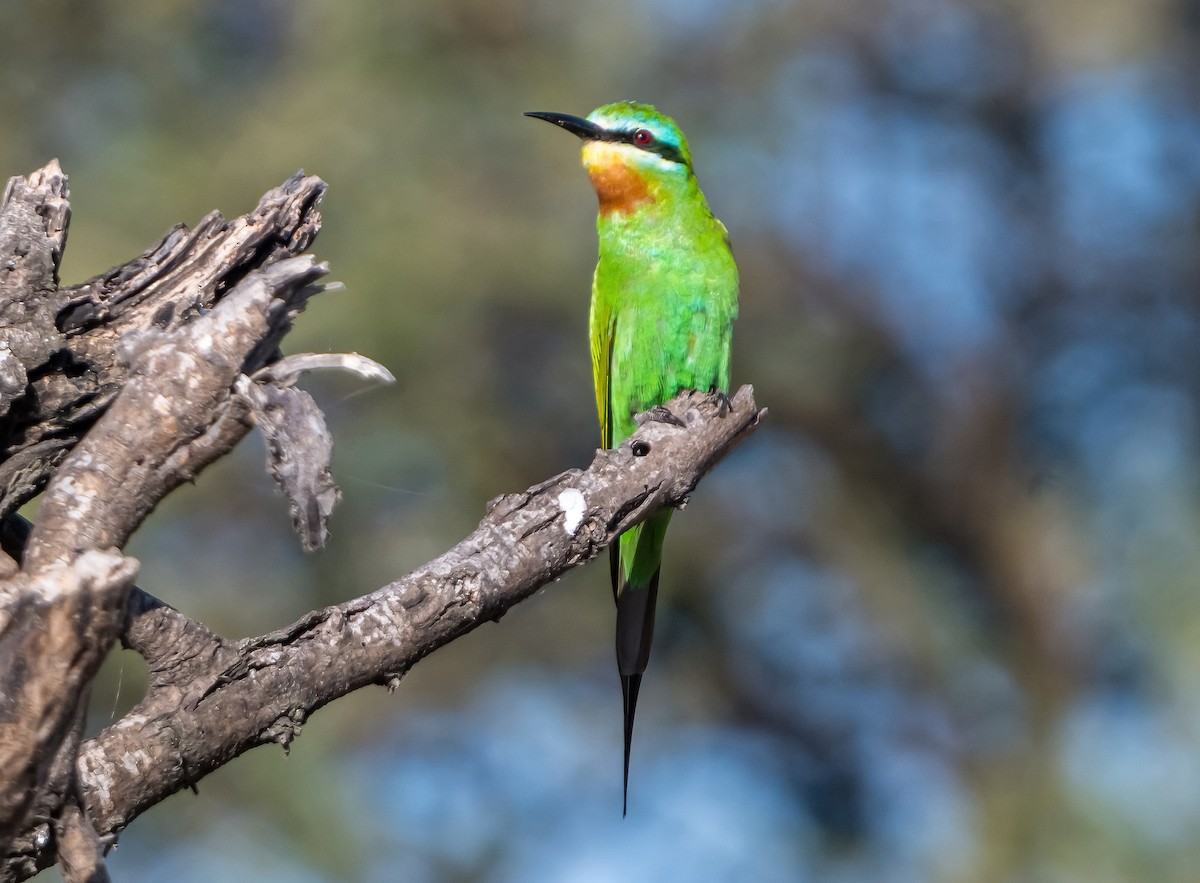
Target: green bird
{"type": "Point", "coordinates": [664, 297]}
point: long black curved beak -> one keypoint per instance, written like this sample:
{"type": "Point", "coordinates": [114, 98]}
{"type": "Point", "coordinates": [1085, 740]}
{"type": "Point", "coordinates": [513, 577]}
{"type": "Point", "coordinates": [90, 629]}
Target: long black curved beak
{"type": "Point", "coordinates": [586, 130]}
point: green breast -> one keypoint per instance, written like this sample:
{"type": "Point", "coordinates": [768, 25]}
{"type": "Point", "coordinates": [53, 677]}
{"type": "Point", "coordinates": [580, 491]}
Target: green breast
{"type": "Point", "coordinates": [667, 279]}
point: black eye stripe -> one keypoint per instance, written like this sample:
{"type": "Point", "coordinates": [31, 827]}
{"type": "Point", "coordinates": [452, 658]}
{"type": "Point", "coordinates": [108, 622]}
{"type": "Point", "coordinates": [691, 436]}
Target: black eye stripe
{"type": "Point", "coordinates": [669, 152]}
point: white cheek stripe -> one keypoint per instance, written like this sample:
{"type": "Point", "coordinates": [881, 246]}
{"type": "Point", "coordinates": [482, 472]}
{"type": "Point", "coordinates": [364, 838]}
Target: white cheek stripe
{"type": "Point", "coordinates": [603, 153]}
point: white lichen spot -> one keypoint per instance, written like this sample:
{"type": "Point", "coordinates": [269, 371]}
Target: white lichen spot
{"type": "Point", "coordinates": [572, 503]}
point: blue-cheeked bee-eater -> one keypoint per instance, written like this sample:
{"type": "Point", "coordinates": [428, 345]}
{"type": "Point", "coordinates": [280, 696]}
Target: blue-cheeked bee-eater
{"type": "Point", "coordinates": [664, 298]}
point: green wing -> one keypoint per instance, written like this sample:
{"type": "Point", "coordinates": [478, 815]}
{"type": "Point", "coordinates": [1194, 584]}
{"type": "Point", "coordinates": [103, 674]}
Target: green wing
{"type": "Point", "coordinates": [603, 328]}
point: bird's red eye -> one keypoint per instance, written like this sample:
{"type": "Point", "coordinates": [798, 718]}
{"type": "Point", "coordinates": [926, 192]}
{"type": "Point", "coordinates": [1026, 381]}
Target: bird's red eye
{"type": "Point", "coordinates": [642, 137]}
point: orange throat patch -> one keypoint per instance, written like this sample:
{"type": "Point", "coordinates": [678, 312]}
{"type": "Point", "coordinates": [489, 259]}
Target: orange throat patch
{"type": "Point", "coordinates": [619, 187]}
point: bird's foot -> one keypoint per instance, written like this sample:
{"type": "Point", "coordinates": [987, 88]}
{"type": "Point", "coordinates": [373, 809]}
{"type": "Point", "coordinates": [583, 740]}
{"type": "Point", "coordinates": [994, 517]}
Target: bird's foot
{"type": "Point", "coordinates": [724, 405]}
{"type": "Point", "coordinates": [658, 414]}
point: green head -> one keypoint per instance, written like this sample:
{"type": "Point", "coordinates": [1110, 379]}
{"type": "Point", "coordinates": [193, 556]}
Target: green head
{"type": "Point", "coordinates": [631, 151]}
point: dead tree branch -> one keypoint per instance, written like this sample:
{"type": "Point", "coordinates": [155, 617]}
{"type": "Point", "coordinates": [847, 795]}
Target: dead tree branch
{"type": "Point", "coordinates": [114, 392]}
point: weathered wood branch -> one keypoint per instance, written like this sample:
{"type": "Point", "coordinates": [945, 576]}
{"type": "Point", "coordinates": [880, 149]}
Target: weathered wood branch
{"type": "Point", "coordinates": [55, 627]}
{"type": "Point", "coordinates": [210, 700]}
{"type": "Point", "coordinates": [120, 389]}
{"type": "Point", "coordinates": [114, 392]}
{"type": "Point", "coordinates": [175, 414]}
{"type": "Point", "coordinates": [63, 352]}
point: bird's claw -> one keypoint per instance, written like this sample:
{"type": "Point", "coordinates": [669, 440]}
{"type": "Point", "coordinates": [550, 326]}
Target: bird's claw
{"type": "Point", "coordinates": [658, 414]}
{"type": "Point", "coordinates": [724, 405]}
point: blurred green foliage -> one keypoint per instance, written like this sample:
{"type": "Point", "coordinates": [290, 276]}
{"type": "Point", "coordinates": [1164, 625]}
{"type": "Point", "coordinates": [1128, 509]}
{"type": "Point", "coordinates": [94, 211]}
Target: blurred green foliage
{"type": "Point", "coordinates": [937, 621]}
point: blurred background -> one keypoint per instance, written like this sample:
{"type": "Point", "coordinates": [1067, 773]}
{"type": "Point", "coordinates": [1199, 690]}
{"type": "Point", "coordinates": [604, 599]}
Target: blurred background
{"type": "Point", "coordinates": [937, 621]}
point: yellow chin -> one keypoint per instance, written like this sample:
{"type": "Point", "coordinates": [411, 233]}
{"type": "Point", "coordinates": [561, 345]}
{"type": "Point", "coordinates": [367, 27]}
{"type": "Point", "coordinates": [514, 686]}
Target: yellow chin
{"type": "Point", "coordinates": [600, 154]}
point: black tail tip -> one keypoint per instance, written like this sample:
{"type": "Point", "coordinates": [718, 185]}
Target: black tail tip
{"type": "Point", "coordinates": [630, 684]}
